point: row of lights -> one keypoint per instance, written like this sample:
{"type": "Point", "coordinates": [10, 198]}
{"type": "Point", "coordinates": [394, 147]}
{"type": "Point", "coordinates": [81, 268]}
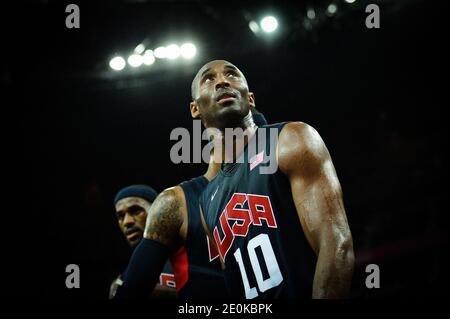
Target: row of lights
{"type": "Point", "coordinates": [332, 7]}
{"type": "Point", "coordinates": [330, 11]}
{"type": "Point", "coordinates": [267, 24]}
{"type": "Point", "coordinates": [141, 56]}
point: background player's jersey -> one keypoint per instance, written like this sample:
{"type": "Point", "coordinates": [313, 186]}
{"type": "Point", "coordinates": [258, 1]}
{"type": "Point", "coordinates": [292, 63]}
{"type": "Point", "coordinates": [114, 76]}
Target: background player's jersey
{"type": "Point", "coordinates": [167, 278]}
{"type": "Point", "coordinates": [255, 224]}
{"type": "Point", "coordinates": [196, 266]}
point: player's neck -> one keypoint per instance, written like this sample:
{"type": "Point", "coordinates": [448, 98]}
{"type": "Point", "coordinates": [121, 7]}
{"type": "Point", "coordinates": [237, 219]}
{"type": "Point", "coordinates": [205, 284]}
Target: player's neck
{"type": "Point", "coordinates": [234, 145]}
{"type": "Point", "coordinates": [229, 142]}
{"type": "Point", "coordinates": [245, 124]}
{"type": "Point", "coordinates": [240, 140]}
{"type": "Point", "coordinates": [213, 169]}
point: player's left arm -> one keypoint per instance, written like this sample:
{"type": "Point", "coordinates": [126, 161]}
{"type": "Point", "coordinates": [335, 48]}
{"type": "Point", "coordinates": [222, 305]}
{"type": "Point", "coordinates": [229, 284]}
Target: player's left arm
{"type": "Point", "coordinates": [316, 191]}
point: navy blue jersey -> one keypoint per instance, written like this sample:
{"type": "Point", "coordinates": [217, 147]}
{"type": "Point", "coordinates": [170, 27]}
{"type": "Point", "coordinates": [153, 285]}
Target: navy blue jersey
{"type": "Point", "coordinates": [197, 268]}
{"type": "Point", "coordinates": [254, 222]}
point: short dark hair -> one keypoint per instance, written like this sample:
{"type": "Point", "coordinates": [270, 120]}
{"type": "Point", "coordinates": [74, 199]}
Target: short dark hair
{"type": "Point", "coordinates": [195, 80]}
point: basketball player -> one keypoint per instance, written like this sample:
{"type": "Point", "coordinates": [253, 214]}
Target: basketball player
{"type": "Point", "coordinates": [279, 235]}
{"type": "Point", "coordinates": [132, 204]}
{"type": "Point", "coordinates": [174, 229]}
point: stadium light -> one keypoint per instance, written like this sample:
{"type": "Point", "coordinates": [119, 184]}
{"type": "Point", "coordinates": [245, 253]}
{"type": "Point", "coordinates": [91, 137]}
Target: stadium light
{"type": "Point", "coordinates": [269, 24]}
{"type": "Point", "coordinates": [311, 14]}
{"type": "Point", "coordinates": [254, 27]}
{"type": "Point", "coordinates": [172, 51]}
{"type": "Point", "coordinates": [148, 58]}
{"type": "Point", "coordinates": [188, 50]}
{"type": "Point", "coordinates": [160, 53]}
{"type": "Point", "coordinates": [117, 63]}
{"type": "Point", "coordinates": [135, 60]}
{"type": "Point", "coordinates": [332, 8]}
{"type": "Point", "coordinates": [140, 48]}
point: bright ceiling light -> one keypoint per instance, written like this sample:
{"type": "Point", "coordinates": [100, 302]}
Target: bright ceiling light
{"type": "Point", "coordinates": [135, 60]}
{"type": "Point", "coordinates": [254, 27]}
{"type": "Point", "coordinates": [269, 24]}
{"type": "Point", "coordinates": [117, 63]}
{"type": "Point", "coordinates": [188, 50]}
{"type": "Point", "coordinates": [160, 53]}
{"type": "Point", "coordinates": [172, 51]}
{"type": "Point", "coordinates": [148, 58]}
{"type": "Point", "coordinates": [332, 8]}
{"type": "Point", "coordinates": [139, 49]}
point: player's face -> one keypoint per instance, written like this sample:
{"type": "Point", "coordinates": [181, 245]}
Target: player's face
{"type": "Point", "coordinates": [131, 215]}
{"type": "Point", "coordinates": [223, 98]}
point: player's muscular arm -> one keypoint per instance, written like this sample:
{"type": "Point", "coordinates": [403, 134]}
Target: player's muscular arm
{"type": "Point", "coordinates": [167, 218]}
{"type": "Point", "coordinates": [304, 158]}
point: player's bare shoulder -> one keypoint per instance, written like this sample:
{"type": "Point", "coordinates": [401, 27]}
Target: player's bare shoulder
{"type": "Point", "coordinates": [300, 149]}
{"type": "Point", "coordinates": [166, 217]}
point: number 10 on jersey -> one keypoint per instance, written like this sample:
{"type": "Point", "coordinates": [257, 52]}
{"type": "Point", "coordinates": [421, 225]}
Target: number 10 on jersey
{"type": "Point", "coordinates": [275, 277]}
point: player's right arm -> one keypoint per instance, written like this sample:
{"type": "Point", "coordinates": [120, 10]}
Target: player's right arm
{"type": "Point", "coordinates": [167, 219]}
{"type": "Point", "coordinates": [164, 232]}
{"type": "Point", "coordinates": [317, 194]}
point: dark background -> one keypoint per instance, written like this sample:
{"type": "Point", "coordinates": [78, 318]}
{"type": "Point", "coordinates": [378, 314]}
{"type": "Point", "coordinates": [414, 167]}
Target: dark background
{"type": "Point", "coordinates": [74, 132]}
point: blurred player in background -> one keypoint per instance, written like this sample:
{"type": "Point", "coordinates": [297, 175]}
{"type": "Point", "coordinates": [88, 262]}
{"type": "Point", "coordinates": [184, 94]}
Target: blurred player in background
{"type": "Point", "coordinates": [132, 204]}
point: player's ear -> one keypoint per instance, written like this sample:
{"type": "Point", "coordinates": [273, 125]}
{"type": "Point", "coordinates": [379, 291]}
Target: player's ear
{"type": "Point", "coordinates": [194, 110]}
{"type": "Point", "coordinates": [251, 100]}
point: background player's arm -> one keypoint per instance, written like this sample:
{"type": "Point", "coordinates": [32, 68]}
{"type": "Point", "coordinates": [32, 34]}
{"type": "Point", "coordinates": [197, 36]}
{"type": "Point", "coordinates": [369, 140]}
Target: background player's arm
{"type": "Point", "coordinates": [160, 291]}
{"type": "Point", "coordinates": [317, 194]}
